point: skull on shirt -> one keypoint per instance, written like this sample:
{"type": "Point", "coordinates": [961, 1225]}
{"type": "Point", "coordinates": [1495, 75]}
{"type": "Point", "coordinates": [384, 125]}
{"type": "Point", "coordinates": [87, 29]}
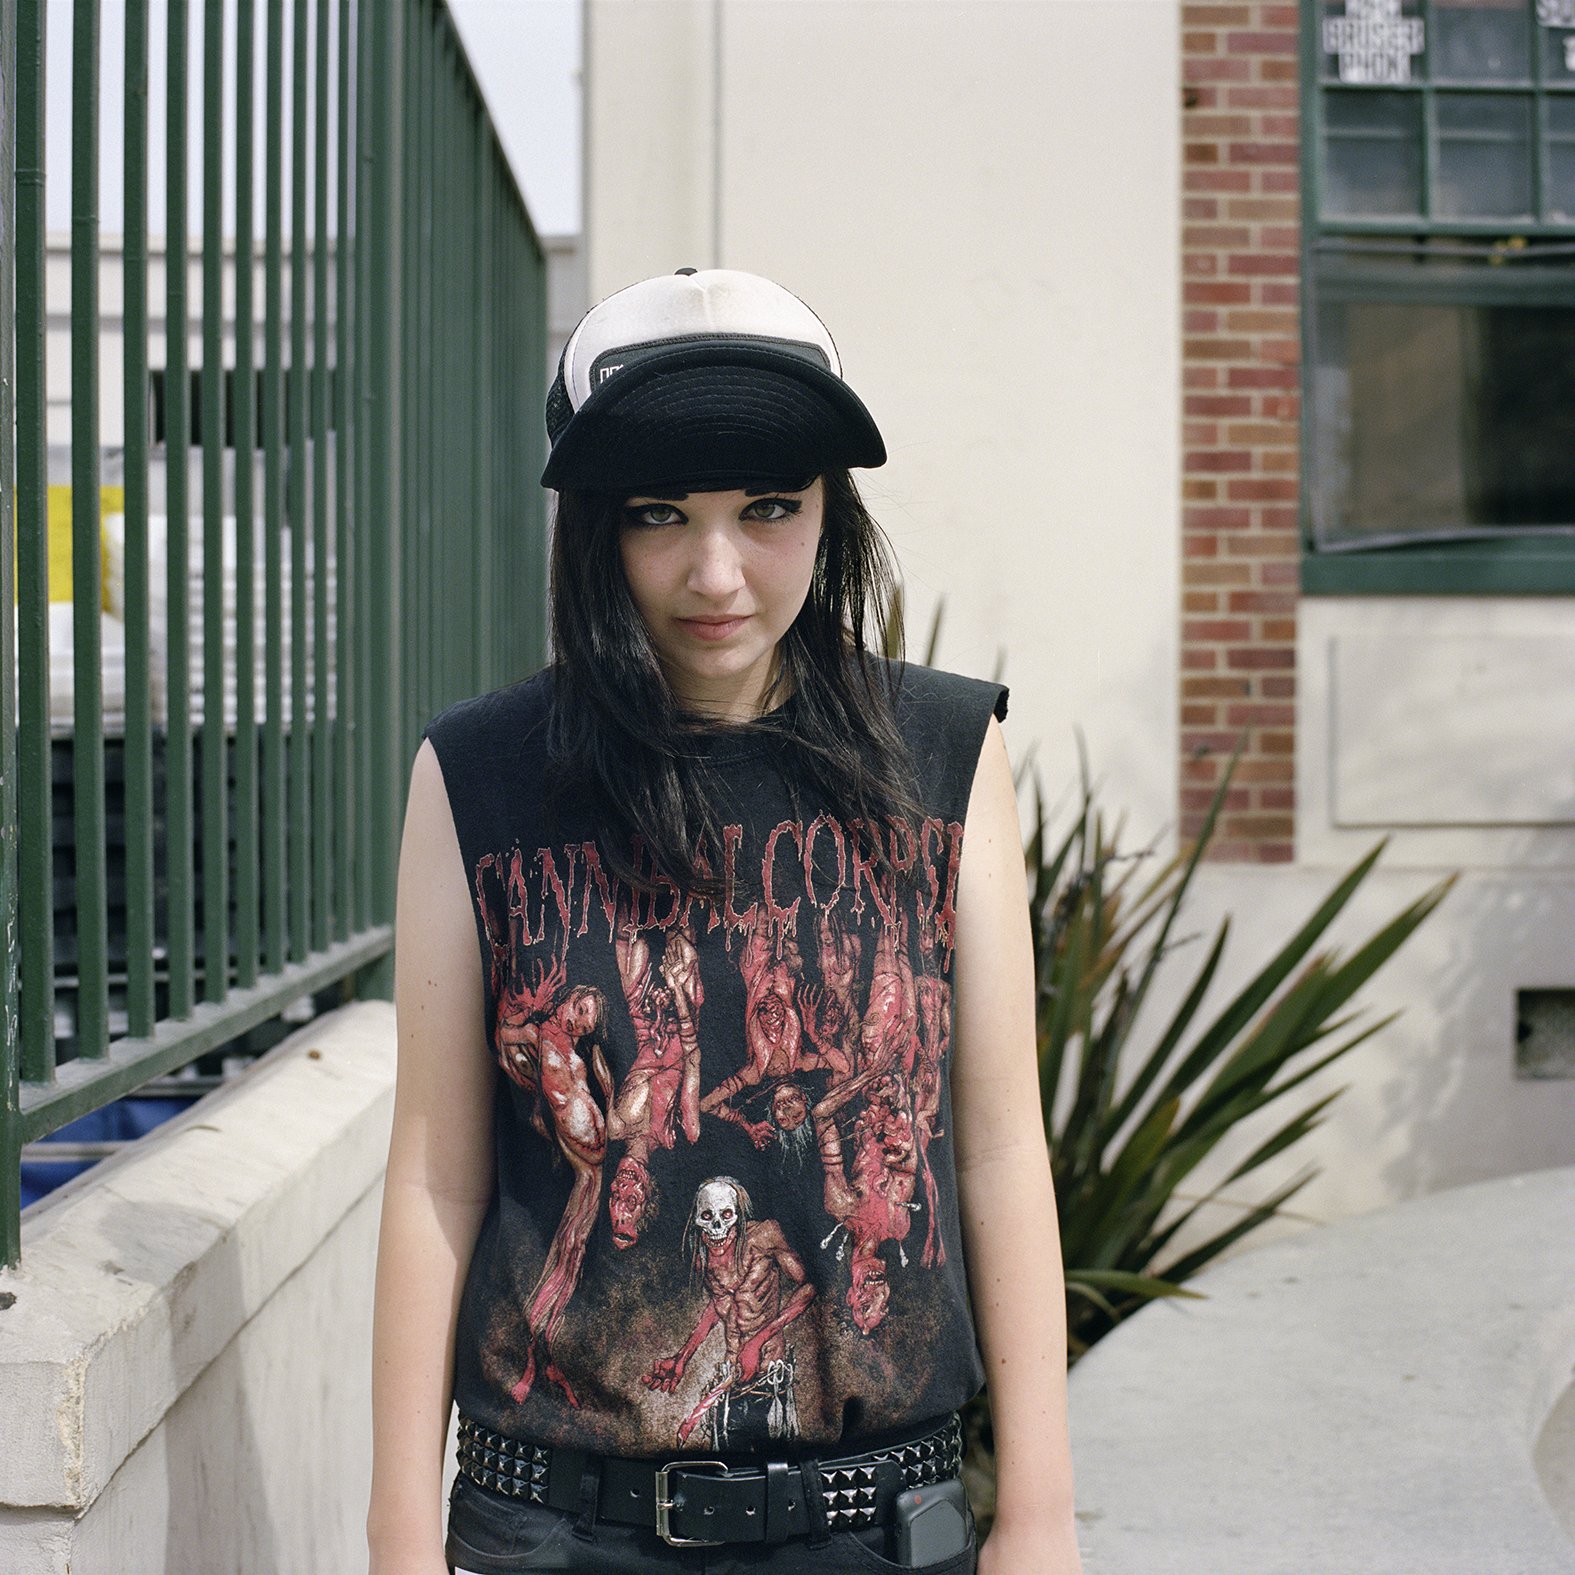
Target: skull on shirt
{"type": "Point", "coordinates": [716, 1211]}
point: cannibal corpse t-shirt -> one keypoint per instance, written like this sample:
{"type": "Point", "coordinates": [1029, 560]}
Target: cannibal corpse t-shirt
{"type": "Point", "coordinates": [726, 1206]}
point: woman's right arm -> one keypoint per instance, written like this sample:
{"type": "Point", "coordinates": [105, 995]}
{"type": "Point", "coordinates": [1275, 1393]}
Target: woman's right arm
{"type": "Point", "coordinates": [440, 1174]}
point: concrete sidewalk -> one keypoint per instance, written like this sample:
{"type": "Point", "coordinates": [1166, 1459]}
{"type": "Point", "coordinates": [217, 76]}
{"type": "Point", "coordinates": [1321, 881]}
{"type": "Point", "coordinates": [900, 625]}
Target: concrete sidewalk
{"type": "Point", "coordinates": [1388, 1395]}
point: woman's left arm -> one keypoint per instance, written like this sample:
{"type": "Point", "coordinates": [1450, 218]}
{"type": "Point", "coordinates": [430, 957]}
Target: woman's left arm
{"type": "Point", "coordinates": [1010, 1237]}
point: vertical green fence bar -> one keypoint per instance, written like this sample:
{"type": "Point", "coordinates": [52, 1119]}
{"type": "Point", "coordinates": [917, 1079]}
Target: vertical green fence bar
{"type": "Point", "coordinates": [298, 407]}
{"type": "Point", "coordinates": [459, 564]}
{"type": "Point", "coordinates": [384, 525]}
{"type": "Point", "coordinates": [35, 858]}
{"type": "Point", "coordinates": [368, 538]}
{"type": "Point", "coordinates": [215, 765]}
{"type": "Point", "coordinates": [424, 594]}
{"type": "Point", "coordinates": [360, 460]}
{"type": "Point", "coordinates": [344, 515]}
{"type": "Point", "coordinates": [246, 803]}
{"type": "Point", "coordinates": [445, 494]}
{"type": "Point", "coordinates": [139, 709]}
{"type": "Point", "coordinates": [322, 742]}
{"type": "Point", "coordinates": [274, 874]}
{"type": "Point", "coordinates": [416, 349]}
{"type": "Point", "coordinates": [480, 408]}
{"type": "Point", "coordinates": [87, 554]}
{"type": "Point", "coordinates": [177, 443]}
{"type": "Point", "coordinates": [410, 322]}
{"type": "Point", "coordinates": [10, 982]}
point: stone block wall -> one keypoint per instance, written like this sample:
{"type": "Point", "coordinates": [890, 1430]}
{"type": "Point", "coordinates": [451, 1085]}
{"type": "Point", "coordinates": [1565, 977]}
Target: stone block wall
{"type": "Point", "coordinates": [185, 1363]}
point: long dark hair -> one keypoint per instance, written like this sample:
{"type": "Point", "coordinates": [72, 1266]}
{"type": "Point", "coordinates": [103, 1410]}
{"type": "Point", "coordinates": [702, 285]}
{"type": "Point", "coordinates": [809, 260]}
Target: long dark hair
{"type": "Point", "coordinates": [619, 739]}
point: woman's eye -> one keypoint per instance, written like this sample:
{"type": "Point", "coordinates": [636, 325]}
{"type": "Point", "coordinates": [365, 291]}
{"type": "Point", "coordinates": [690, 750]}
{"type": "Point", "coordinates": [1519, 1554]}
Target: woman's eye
{"type": "Point", "coordinates": [772, 509]}
{"type": "Point", "coordinates": [653, 514]}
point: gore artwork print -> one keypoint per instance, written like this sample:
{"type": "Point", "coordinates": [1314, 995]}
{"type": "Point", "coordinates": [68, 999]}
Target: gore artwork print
{"type": "Point", "coordinates": [727, 1108]}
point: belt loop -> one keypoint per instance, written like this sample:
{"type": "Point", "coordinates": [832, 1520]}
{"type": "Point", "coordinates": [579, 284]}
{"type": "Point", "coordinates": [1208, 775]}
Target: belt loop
{"type": "Point", "coordinates": [815, 1503]}
{"type": "Point", "coordinates": [590, 1490]}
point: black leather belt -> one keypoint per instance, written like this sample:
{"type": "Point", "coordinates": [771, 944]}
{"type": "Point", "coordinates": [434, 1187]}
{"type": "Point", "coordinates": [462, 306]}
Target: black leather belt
{"type": "Point", "coordinates": [694, 1501]}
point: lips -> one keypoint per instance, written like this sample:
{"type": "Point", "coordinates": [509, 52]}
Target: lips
{"type": "Point", "coordinates": [713, 630]}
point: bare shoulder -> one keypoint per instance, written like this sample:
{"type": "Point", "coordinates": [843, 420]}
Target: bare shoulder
{"type": "Point", "coordinates": [992, 854]}
{"type": "Point", "coordinates": [445, 1062]}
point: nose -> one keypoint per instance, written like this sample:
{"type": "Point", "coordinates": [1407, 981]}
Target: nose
{"type": "Point", "coordinates": [716, 567]}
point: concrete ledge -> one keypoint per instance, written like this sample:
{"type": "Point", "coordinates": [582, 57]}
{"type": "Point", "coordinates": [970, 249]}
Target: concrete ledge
{"type": "Point", "coordinates": [136, 1278]}
{"type": "Point", "coordinates": [1383, 1396]}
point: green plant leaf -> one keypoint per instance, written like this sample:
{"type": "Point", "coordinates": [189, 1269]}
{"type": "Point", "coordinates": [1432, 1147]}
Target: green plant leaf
{"type": "Point", "coordinates": [1149, 1285]}
{"type": "Point", "coordinates": [1154, 1064]}
{"type": "Point", "coordinates": [1217, 1039]}
{"type": "Point", "coordinates": [1076, 1286]}
{"type": "Point", "coordinates": [1184, 1268]}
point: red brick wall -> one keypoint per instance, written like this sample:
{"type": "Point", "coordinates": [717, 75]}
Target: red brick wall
{"type": "Point", "coordinates": [1240, 355]}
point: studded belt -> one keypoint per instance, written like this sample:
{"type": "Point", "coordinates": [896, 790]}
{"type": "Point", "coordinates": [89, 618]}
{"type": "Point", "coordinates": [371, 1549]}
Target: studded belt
{"type": "Point", "coordinates": [699, 1501]}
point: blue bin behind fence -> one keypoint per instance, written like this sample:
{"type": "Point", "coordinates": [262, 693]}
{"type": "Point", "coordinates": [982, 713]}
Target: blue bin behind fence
{"type": "Point", "coordinates": [121, 1121]}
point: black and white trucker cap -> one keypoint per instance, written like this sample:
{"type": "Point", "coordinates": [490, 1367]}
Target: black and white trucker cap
{"type": "Point", "coordinates": [702, 381]}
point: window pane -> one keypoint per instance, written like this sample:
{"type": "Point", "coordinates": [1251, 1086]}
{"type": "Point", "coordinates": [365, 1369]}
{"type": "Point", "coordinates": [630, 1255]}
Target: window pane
{"type": "Point", "coordinates": [1479, 41]}
{"type": "Point", "coordinates": [1484, 156]}
{"type": "Point", "coordinates": [1558, 52]}
{"type": "Point", "coordinates": [1372, 153]}
{"type": "Point", "coordinates": [1434, 419]}
{"type": "Point", "coordinates": [1559, 182]}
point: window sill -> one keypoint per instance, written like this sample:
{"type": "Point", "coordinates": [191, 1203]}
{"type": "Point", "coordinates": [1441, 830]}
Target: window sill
{"type": "Point", "coordinates": [1517, 566]}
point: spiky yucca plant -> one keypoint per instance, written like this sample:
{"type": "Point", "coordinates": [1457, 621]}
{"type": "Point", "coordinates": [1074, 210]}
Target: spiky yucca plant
{"type": "Point", "coordinates": [1129, 1113]}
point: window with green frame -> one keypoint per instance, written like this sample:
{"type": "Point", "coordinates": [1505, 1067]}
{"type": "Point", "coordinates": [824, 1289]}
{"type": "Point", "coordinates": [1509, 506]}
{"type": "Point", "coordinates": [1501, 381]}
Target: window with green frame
{"type": "Point", "coordinates": [1438, 411]}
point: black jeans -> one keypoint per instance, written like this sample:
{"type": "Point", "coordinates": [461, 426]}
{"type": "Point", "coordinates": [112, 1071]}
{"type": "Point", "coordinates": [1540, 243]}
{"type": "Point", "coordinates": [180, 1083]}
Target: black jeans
{"type": "Point", "coordinates": [489, 1534]}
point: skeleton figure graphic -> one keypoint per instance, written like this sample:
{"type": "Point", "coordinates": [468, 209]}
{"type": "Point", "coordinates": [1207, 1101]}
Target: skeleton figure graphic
{"type": "Point", "coordinates": [831, 1019]}
{"type": "Point", "coordinates": [773, 1030]}
{"type": "Point", "coordinates": [661, 1090]}
{"type": "Point", "coordinates": [871, 1198]}
{"type": "Point", "coordinates": [545, 1030]}
{"type": "Point", "coordinates": [888, 1032]}
{"type": "Point", "coordinates": [755, 1287]}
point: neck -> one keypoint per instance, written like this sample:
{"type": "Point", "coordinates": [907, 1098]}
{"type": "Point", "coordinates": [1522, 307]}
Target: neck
{"type": "Point", "coordinates": [729, 700]}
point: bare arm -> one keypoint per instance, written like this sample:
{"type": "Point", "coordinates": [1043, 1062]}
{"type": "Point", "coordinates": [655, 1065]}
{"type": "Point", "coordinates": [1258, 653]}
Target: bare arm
{"type": "Point", "coordinates": [1008, 1203]}
{"type": "Point", "coordinates": [440, 1171]}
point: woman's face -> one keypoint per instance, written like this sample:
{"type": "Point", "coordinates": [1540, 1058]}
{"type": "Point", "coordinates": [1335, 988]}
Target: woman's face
{"type": "Point", "coordinates": [718, 578]}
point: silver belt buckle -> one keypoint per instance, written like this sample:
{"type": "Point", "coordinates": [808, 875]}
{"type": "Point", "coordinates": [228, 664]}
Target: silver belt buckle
{"type": "Point", "coordinates": [665, 1505]}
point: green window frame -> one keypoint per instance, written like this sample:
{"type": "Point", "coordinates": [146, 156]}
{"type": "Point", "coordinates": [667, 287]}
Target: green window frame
{"type": "Point", "coordinates": [1395, 93]}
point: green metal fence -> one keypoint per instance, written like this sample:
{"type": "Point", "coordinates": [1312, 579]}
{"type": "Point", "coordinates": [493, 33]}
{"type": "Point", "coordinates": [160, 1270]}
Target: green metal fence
{"type": "Point", "coordinates": [366, 462]}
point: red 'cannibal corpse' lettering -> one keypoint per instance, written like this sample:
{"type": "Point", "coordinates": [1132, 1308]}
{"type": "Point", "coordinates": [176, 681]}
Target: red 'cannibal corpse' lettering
{"type": "Point", "coordinates": [946, 916]}
{"type": "Point", "coordinates": [819, 824]}
{"type": "Point", "coordinates": [864, 874]}
{"type": "Point", "coordinates": [561, 889]}
{"type": "Point", "coordinates": [703, 868]}
{"type": "Point", "coordinates": [787, 917]}
{"type": "Point", "coordinates": [592, 864]}
{"type": "Point", "coordinates": [904, 846]}
{"type": "Point", "coordinates": [519, 897]}
{"type": "Point", "coordinates": [550, 882]}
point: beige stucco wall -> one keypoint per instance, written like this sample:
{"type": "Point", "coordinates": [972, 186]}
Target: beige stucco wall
{"type": "Point", "coordinates": [980, 198]}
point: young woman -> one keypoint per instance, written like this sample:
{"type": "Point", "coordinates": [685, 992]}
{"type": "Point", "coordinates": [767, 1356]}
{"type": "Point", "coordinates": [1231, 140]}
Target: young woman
{"type": "Point", "coordinates": [717, 1181]}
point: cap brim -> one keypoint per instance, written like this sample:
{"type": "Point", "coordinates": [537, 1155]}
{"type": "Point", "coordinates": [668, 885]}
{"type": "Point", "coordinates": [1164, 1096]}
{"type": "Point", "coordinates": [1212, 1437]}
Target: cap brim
{"type": "Point", "coordinates": [705, 413]}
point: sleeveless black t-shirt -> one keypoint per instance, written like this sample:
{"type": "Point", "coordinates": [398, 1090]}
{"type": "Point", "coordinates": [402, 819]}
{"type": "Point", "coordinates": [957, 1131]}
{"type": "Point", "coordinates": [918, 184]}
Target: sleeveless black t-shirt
{"type": "Point", "coordinates": [726, 1206]}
